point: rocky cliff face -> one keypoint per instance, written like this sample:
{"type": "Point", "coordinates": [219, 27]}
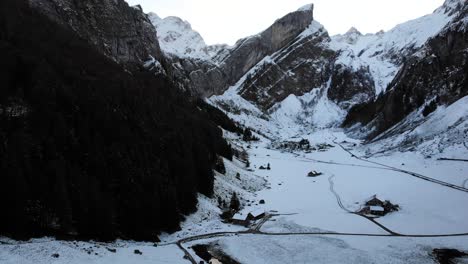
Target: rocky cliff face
{"type": "Point", "coordinates": [306, 63]}
{"type": "Point", "coordinates": [249, 51]}
{"type": "Point", "coordinates": [199, 78]}
{"type": "Point", "coordinates": [208, 70]}
{"type": "Point", "coordinates": [349, 87]}
{"type": "Point", "coordinates": [122, 33]}
{"type": "Point", "coordinates": [436, 75]}
{"type": "Point", "coordinates": [189, 59]}
{"type": "Point", "coordinates": [295, 69]}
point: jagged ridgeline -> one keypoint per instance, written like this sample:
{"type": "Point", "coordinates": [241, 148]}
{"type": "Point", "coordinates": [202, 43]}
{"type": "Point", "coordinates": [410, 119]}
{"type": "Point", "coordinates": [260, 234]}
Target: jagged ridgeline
{"type": "Point", "coordinates": [90, 149]}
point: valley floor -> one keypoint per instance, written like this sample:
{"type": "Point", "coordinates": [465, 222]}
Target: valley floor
{"type": "Point", "coordinates": [309, 219]}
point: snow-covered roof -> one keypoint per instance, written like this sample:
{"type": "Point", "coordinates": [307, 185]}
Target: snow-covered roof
{"type": "Point", "coordinates": [257, 212]}
{"type": "Point", "coordinates": [372, 198]}
{"type": "Point", "coordinates": [238, 216]}
{"type": "Point", "coordinates": [377, 208]}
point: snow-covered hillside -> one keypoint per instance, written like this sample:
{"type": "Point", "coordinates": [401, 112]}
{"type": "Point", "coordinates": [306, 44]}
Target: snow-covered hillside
{"type": "Point", "coordinates": [443, 133]}
{"type": "Point", "coordinates": [384, 52]}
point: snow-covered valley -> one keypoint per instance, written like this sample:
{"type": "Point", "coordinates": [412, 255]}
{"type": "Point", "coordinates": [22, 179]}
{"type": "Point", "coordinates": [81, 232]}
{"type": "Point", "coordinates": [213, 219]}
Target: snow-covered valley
{"type": "Point", "coordinates": [345, 149]}
{"type": "Point", "coordinates": [308, 219]}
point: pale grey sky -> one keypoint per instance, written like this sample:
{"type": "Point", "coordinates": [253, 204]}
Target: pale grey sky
{"type": "Point", "coordinates": [225, 21]}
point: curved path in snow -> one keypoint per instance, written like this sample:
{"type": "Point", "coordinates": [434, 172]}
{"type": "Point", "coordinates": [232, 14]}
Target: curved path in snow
{"type": "Point", "coordinates": [256, 229]}
{"type": "Point", "coordinates": [340, 204]}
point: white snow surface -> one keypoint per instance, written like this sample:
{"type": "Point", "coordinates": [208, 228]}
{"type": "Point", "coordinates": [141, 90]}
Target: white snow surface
{"type": "Point", "coordinates": [40, 251]}
{"type": "Point", "coordinates": [312, 110]}
{"type": "Point", "coordinates": [176, 37]}
{"type": "Point", "coordinates": [308, 205]}
{"type": "Point", "coordinates": [442, 134]}
{"type": "Point", "coordinates": [333, 249]}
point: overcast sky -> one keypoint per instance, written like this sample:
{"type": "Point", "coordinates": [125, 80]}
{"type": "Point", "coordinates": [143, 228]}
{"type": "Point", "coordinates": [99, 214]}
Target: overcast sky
{"type": "Point", "coordinates": [225, 21]}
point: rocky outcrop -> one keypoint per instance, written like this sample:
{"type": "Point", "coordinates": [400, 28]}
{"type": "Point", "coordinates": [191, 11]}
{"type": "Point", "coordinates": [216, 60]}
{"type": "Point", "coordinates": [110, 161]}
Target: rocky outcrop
{"type": "Point", "coordinates": [296, 69]}
{"type": "Point", "coordinates": [122, 33]}
{"type": "Point", "coordinates": [205, 70]}
{"type": "Point", "coordinates": [249, 51]}
{"type": "Point", "coordinates": [303, 65]}
{"type": "Point", "coordinates": [349, 87]}
{"type": "Point", "coordinates": [200, 78]}
{"type": "Point", "coordinates": [438, 73]}
{"type": "Point", "coordinates": [188, 57]}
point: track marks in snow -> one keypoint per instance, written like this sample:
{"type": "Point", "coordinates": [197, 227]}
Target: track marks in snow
{"type": "Point", "coordinates": [417, 175]}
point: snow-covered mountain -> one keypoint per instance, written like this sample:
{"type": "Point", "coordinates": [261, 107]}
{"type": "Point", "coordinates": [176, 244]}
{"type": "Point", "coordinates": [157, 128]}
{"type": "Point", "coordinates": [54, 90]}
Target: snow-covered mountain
{"type": "Point", "coordinates": [315, 79]}
{"type": "Point", "coordinates": [385, 52]}
{"type": "Point", "coordinates": [435, 76]}
{"type": "Point", "coordinates": [177, 38]}
{"type": "Point", "coordinates": [356, 67]}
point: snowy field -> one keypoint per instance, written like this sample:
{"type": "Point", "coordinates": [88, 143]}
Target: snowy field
{"type": "Point", "coordinates": [334, 249]}
{"type": "Point", "coordinates": [42, 251]}
{"type": "Point", "coordinates": [300, 204]}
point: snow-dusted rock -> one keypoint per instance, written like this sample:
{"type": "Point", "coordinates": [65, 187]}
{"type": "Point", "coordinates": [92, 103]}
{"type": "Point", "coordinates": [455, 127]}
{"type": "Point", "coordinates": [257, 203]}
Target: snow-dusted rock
{"type": "Point", "coordinates": [177, 38]}
{"type": "Point", "coordinates": [437, 73]}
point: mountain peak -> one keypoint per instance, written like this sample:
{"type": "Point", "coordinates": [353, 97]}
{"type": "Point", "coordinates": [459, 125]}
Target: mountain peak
{"type": "Point", "coordinates": [153, 16]}
{"type": "Point", "coordinates": [450, 7]}
{"type": "Point", "coordinates": [353, 31]}
{"type": "Point", "coordinates": [308, 7]}
{"type": "Point", "coordinates": [350, 37]}
{"type": "Point", "coordinates": [177, 37]}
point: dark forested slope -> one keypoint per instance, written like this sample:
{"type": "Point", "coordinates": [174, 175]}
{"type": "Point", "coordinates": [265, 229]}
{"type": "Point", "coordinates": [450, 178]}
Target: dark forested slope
{"type": "Point", "coordinates": [87, 148]}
